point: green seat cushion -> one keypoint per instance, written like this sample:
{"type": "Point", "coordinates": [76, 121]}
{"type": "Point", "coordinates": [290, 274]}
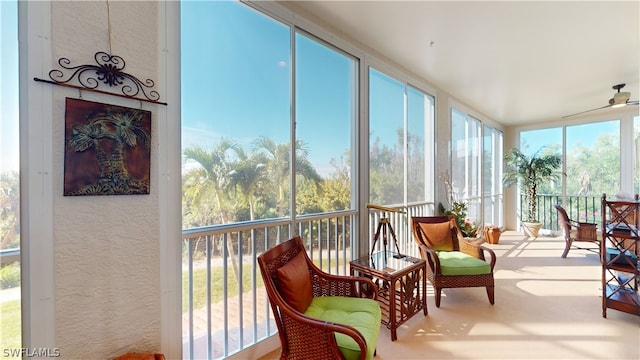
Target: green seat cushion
{"type": "Point", "coordinates": [362, 314]}
{"type": "Point", "coordinates": [459, 263]}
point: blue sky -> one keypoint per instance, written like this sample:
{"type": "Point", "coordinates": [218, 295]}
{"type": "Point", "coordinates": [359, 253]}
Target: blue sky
{"type": "Point", "coordinates": [583, 134]}
{"type": "Point", "coordinates": [9, 152]}
{"type": "Point", "coordinates": [236, 71]}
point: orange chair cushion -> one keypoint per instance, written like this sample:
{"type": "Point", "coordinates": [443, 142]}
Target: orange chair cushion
{"type": "Point", "coordinates": [294, 283]}
{"type": "Point", "coordinates": [437, 235]}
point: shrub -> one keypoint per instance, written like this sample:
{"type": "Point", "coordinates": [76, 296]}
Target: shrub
{"type": "Point", "coordinates": [10, 275]}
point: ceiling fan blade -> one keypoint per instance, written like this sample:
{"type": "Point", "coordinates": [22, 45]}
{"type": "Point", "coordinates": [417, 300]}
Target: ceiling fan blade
{"type": "Point", "coordinates": [582, 112]}
{"type": "Point", "coordinates": [636, 102]}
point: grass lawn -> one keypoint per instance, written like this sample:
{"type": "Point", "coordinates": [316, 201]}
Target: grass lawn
{"type": "Point", "coordinates": [200, 282]}
{"type": "Point", "coordinates": [217, 294]}
{"type": "Point", "coordinates": [10, 325]}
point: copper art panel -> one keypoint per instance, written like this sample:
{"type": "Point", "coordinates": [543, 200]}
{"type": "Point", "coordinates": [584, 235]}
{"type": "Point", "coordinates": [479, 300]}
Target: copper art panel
{"type": "Point", "coordinates": [107, 149]}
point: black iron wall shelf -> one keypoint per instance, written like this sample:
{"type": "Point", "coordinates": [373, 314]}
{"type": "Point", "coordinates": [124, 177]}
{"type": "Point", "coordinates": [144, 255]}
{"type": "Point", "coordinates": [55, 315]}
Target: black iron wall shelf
{"type": "Point", "coordinates": [108, 71]}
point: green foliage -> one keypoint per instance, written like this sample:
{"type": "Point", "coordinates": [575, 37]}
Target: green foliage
{"type": "Point", "coordinates": [594, 169]}
{"type": "Point", "coordinates": [9, 210]}
{"type": "Point", "coordinates": [336, 191]}
{"type": "Point", "coordinates": [227, 184]}
{"type": "Point", "coordinates": [459, 212]}
{"type": "Point", "coordinates": [385, 174]}
{"type": "Point", "coordinates": [530, 172]}
{"type": "Point", "coordinates": [10, 275]}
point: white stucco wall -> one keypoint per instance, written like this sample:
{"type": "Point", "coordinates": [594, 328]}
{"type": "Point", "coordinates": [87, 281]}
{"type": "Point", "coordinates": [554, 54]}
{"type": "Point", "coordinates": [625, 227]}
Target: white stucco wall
{"type": "Point", "coordinates": [107, 268]}
{"type": "Point", "coordinates": [114, 260]}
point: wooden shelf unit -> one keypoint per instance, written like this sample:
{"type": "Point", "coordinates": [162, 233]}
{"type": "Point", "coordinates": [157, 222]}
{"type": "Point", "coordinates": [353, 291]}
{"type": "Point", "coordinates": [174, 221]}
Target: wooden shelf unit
{"type": "Point", "coordinates": [619, 254]}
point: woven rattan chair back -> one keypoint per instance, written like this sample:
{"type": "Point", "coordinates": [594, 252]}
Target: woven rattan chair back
{"type": "Point", "coordinates": [434, 269]}
{"type": "Point", "coordinates": [302, 337]}
{"type": "Point", "coordinates": [584, 232]}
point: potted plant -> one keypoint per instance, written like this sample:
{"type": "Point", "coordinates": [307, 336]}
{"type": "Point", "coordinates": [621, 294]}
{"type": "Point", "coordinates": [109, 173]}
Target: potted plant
{"type": "Point", "coordinates": [458, 209]}
{"type": "Point", "coordinates": [529, 172]}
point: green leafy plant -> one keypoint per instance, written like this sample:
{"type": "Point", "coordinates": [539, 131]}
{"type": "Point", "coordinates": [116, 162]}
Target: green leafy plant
{"type": "Point", "coordinates": [459, 212]}
{"type": "Point", "coordinates": [10, 275]}
{"type": "Point", "coordinates": [529, 172]}
{"type": "Point", "coordinates": [458, 209]}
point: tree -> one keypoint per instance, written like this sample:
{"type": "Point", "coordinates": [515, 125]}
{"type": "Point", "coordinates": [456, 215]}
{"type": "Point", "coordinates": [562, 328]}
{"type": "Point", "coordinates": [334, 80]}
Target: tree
{"type": "Point", "coordinates": [248, 180]}
{"type": "Point", "coordinates": [9, 210]}
{"type": "Point", "coordinates": [278, 156]}
{"type": "Point", "coordinates": [216, 167]}
{"type": "Point", "coordinates": [530, 172]}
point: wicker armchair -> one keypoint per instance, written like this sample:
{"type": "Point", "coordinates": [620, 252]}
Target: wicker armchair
{"type": "Point", "coordinates": [306, 333]}
{"type": "Point", "coordinates": [575, 231]}
{"type": "Point", "coordinates": [452, 262]}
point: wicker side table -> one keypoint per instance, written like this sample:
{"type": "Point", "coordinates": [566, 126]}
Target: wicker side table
{"type": "Point", "coordinates": [401, 282]}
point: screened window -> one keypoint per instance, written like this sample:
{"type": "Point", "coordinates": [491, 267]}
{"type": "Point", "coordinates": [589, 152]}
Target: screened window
{"type": "Point", "coordinates": [598, 157]}
{"type": "Point", "coordinates": [326, 109]}
{"type": "Point", "coordinates": [593, 158]}
{"type": "Point", "coordinates": [401, 120]}
{"type": "Point", "coordinates": [238, 137]}
{"type": "Point", "coordinates": [466, 157]}
{"type": "Point", "coordinates": [533, 141]}
{"type": "Point", "coordinates": [10, 325]}
{"type": "Point", "coordinates": [236, 119]}
{"type": "Point", "coordinates": [492, 156]}
{"type": "Point", "coordinates": [386, 139]}
{"type": "Point", "coordinates": [420, 148]}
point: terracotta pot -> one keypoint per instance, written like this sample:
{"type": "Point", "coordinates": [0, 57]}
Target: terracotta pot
{"type": "Point", "coordinates": [492, 234]}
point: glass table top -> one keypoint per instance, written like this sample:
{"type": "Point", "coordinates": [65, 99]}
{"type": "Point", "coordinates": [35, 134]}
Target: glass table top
{"type": "Point", "coordinates": [387, 261]}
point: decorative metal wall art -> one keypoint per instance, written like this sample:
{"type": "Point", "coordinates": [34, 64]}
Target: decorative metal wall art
{"type": "Point", "coordinates": [108, 71]}
{"type": "Point", "coordinates": [107, 149]}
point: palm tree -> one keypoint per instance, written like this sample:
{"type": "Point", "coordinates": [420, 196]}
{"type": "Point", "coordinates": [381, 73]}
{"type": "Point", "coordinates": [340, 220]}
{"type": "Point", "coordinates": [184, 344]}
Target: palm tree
{"type": "Point", "coordinates": [530, 171]}
{"type": "Point", "coordinates": [248, 179]}
{"type": "Point", "coordinates": [216, 167]}
{"type": "Point", "coordinates": [278, 165]}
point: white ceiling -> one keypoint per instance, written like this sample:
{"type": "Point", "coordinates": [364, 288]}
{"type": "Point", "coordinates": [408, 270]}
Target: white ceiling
{"type": "Point", "coordinates": [515, 62]}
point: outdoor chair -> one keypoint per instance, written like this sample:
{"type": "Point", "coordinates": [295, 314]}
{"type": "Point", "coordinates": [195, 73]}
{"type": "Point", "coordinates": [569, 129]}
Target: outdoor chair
{"type": "Point", "coordinates": [452, 262]}
{"type": "Point", "coordinates": [319, 315]}
{"type": "Point", "coordinates": [575, 231]}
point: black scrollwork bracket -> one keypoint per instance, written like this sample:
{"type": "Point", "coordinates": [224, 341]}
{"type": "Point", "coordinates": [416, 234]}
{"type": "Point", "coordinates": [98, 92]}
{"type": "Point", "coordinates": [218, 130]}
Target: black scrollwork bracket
{"type": "Point", "coordinates": [108, 71]}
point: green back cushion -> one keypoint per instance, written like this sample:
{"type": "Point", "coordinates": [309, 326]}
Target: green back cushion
{"type": "Point", "coordinates": [362, 314]}
{"type": "Point", "coordinates": [294, 283]}
{"type": "Point", "coordinates": [459, 263]}
{"type": "Point", "coordinates": [437, 236]}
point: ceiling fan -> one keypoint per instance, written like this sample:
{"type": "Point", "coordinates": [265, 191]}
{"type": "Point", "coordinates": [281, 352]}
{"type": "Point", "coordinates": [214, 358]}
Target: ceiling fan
{"type": "Point", "coordinates": [619, 99]}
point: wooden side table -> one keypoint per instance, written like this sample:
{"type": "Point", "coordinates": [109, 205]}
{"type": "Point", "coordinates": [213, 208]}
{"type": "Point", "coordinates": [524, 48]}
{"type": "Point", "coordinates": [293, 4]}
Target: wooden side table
{"type": "Point", "coordinates": [401, 282]}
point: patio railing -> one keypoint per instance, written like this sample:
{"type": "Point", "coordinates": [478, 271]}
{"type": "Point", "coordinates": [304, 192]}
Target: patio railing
{"type": "Point", "coordinates": [586, 208]}
{"type": "Point", "coordinates": [225, 308]}
{"type": "Point", "coordinates": [224, 303]}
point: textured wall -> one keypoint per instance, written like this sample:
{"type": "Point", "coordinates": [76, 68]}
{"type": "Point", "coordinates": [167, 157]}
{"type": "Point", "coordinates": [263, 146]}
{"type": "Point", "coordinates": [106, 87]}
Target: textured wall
{"type": "Point", "coordinates": [107, 267]}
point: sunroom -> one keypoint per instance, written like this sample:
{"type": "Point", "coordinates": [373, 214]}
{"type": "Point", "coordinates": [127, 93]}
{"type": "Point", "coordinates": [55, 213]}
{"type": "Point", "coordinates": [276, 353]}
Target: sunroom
{"type": "Point", "coordinates": [290, 118]}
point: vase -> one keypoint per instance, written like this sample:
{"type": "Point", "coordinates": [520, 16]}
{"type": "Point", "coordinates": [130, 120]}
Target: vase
{"type": "Point", "coordinates": [492, 234]}
{"type": "Point", "coordinates": [531, 229]}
